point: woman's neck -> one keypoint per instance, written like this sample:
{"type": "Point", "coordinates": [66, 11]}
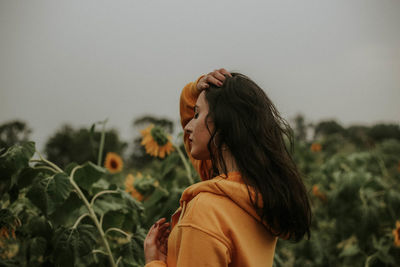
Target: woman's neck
{"type": "Point", "coordinates": [230, 163]}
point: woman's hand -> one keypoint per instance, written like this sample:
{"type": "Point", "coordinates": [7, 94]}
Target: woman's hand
{"type": "Point", "coordinates": [216, 77]}
{"type": "Point", "coordinates": [156, 242]}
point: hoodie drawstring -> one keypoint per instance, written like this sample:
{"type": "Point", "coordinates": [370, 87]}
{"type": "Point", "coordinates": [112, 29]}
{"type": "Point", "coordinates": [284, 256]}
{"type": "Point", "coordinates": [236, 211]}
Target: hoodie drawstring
{"type": "Point", "coordinates": [182, 211]}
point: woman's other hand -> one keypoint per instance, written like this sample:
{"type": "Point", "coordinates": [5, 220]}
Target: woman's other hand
{"type": "Point", "coordinates": [156, 242]}
{"type": "Point", "coordinates": [216, 77]}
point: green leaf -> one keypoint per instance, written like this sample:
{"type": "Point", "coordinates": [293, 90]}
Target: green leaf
{"type": "Point", "coordinates": [58, 190]}
{"type": "Point", "coordinates": [169, 164]}
{"type": "Point", "coordinates": [86, 176]}
{"type": "Point", "coordinates": [70, 167]}
{"type": "Point", "coordinates": [37, 250]}
{"type": "Point", "coordinates": [132, 204]}
{"type": "Point", "coordinates": [158, 194]}
{"type": "Point", "coordinates": [68, 212]}
{"type": "Point", "coordinates": [13, 161]}
{"type": "Point", "coordinates": [13, 192]}
{"type": "Point", "coordinates": [27, 176]}
{"type": "Point", "coordinates": [132, 252]}
{"type": "Point", "coordinates": [349, 250]}
{"type": "Point", "coordinates": [102, 206]}
{"type": "Point", "coordinates": [7, 218]}
{"type": "Point", "coordinates": [92, 129]}
{"type": "Point", "coordinates": [37, 194]}
{"type": "Point", "coordinates": [145, 185]}
{"type": "Point", "coordinates": [100, 185]}
{"type": "Point", "coordinates": [19, 155]}
{"type": "Point", "coordinates": [70, 243]}
{"type": "Point", "coordinates": [39, 226]}
{"type": "Point", "coordinates": [114, 219]}
{"type": "Point", "coordinates": [9, 263]}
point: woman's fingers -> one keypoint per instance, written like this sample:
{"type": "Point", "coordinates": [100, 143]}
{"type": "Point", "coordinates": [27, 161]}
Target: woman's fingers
{"type": "Point", "coordinates": [160, 221]}
{"type": "Point", "coordinates": [224, 71]}
{"type": "Point", "coordinates": [217, 77]}
{"type": "Point", "coordinates": [203, 85]}
{"type": "Point", "coordinates": [163, 241]}
{"type": "Point", "coordinates": [162, 229]}
{"type": "Point", "coordinates": [212, 80]}
{"type": "Point", "coordinates": [162, 236]}
{"type": "Point", "coordinates": [166, 235]}
{"type": "Point", "coordinates": [155, 228]}
{"type": "Point", "coordinates": [150, 239]}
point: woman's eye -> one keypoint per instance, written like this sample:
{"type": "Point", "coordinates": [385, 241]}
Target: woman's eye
{"type": "Point", "coordinates": [196, 115]}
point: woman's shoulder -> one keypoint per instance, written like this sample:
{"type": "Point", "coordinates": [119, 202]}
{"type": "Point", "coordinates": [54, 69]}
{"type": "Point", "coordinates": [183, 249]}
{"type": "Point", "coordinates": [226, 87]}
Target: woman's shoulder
{"type": "Point", "coordinates": [212, 211]}
{"type": "Point", "coordinates": [212, 203]}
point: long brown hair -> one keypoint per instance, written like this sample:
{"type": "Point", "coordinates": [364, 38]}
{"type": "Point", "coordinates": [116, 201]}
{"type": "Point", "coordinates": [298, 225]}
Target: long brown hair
{"type": "Point", "coordinates": [247, 122]}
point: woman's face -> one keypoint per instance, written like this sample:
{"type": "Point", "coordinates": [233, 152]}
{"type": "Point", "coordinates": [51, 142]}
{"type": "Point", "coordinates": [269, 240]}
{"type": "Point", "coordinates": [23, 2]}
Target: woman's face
{"type": "Point", "coordinates": [199, 136]}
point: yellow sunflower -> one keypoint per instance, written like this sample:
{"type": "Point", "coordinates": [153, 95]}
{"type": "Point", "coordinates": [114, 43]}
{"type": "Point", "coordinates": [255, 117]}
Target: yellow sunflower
{"type": "Point", "coordinates": [317, 193]}
{"type": "Point", "coordinates": [5, 233]}
{"type": "Point", "coordinates": [113, 162]}
{"type": "Point", "coordinates": [129, 180]}
{"type": "Point", "coordinates": [316, 147]}
{"type": "Point", "coordinates": [396, 234]}
{"type": "Point", "coordinates": [156, 142]}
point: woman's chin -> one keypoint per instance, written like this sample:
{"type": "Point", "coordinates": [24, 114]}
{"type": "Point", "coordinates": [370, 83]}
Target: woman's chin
{"type": "Point", "coordinates": [199, 156]}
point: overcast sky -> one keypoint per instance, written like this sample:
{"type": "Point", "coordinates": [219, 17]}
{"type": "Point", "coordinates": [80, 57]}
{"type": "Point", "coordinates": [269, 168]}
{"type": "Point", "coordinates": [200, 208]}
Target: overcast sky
{"type": "Point", "coordinates": [80, 62]}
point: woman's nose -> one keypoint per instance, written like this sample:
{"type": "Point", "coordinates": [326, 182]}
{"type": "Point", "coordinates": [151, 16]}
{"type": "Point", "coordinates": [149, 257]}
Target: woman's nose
{"type": "Point", "coordinates": [188, 127]}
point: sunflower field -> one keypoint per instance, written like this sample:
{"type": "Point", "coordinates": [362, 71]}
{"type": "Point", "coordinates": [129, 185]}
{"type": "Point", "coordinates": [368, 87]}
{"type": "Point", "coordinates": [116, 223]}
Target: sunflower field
{"type": "Point", "coordinates": [97, 212]}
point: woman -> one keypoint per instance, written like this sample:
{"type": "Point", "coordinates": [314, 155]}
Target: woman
{"type": "Point", "coordinates": [251, 192]}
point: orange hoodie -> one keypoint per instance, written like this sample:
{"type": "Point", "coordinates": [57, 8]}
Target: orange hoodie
{"type": "Point", "coordinates": [216, 224]}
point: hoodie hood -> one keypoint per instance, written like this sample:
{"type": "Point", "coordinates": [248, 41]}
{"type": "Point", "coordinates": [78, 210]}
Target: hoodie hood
{"type": "Point", "coordinates": [231, 186]}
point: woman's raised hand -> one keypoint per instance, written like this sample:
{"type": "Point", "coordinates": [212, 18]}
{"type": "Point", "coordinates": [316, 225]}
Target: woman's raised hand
{"type": "Point", "coordinates": [216, 77]}
{"type": "Point", "coordinates": [156, 242]}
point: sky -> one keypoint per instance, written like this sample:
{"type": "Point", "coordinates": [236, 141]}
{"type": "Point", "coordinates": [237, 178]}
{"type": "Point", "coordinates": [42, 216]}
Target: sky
{"type": "Point", "coordinates": [80, 62]}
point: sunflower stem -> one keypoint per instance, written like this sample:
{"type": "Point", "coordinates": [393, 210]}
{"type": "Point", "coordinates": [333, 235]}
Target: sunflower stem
{"type": "Point", "coordinates": [79, 220]}
{"type": "Point", "coordinates": [103, 135]}
{"type": "Point", "coordinates": [186, 164]}
{"type": "Point", "coordinates": [102, 193]}
{"type": "Point", "coordinates": [119, 260]}
{"type": "Point", "coordinates": [98, 251]}
{"type": "Point", "coordinates": [45, 168]}
{"type": "Point", "coordinates": [92, 215]}
{"type": "Point", "coordinates": [58, 169]}
{"type": "Point", "coordinates": [117, 230]}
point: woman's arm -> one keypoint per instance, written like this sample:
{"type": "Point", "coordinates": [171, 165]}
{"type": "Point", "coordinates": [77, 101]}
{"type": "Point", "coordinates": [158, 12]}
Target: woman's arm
{"type": "Point", "coordinates": [188, 99]}
{"type": "Point", "coordinates": [198, 248]}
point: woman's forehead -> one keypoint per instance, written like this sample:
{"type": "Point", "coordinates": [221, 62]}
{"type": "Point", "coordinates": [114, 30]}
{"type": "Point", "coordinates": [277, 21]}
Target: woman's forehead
{"type": "Point", "coordinates": [201, 100]}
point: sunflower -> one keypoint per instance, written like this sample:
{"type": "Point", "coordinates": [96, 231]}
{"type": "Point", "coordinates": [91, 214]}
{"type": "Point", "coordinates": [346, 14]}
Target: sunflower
{"type": "Point", "coordinates": [156, 141]}
{"type": "Point", "coordinates": [316, 147]}
{"type": "Point", "coordinates": [129, 180]}
{"type": "Point", "coordinates": [5, 232]}
{"type": "Point", "coordinates": [317, 193]}
{"type": "Point", "coordinates": [9, 228]}
{"type": "Point", "coordinates": [396, 234]}
{"type": "Point", "coordinates": [113, 162]}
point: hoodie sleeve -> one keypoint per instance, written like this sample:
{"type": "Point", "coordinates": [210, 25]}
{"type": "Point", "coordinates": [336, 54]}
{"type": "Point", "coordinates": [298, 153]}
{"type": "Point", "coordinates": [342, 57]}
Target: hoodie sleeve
{"type": "Point", "coordinates": [188, 100]}
{"type": "Point", "coordinates": [156, 264]}
{"type": "Point", "coordinates": [198, 248]}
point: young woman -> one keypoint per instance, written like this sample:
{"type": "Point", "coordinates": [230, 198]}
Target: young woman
{"type": "Point", "coordinates": [251, 191]}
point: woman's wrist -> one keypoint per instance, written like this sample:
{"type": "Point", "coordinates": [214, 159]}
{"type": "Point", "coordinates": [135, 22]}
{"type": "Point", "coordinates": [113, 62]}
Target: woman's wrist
{"type": "Point", "coordinates": [198, 81]}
